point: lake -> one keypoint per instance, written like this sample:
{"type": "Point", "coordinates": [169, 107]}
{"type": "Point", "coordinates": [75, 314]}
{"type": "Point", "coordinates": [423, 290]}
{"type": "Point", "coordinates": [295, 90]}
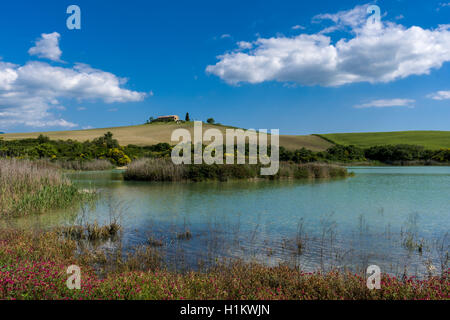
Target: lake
{"type": "Point", "coordinates": [395, 217]}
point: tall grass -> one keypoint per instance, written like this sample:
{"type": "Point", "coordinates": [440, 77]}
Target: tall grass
{"type": "Point", "coordinates": [77, 165]}
{"type": "Point", "coordinates": [165, 170]}
{"type": "Point", "coordinates": [91, 165]}
{"type": "Point", "coordinates": [28, 187]}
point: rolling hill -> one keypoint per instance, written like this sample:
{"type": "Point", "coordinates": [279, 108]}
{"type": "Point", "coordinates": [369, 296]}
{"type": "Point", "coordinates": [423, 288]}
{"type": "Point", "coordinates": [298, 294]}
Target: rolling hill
{"type": "Point", "coordinates": [429, 139]}
{"type": "Point", "coordinates": [161, 132]}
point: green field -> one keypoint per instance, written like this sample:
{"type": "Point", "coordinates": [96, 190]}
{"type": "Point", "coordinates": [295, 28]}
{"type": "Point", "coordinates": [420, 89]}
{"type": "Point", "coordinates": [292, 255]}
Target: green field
{"type": "Point", "coordinates": [428, 139]}
{"type": "Point", "coordinates": [150, 134]}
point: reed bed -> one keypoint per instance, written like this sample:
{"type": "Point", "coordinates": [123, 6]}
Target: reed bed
{"type": "Point", "coordinates": [75, 165]}
{"type": "Point", "coordinates": [91, 165]}
{"type": "Point", "coordinates": [165, 170]}
{"type": "Point", "coordinates": [92, 232]}
{"type": "Point", "coordinates": [311, 171]}
{"type": "Point", "coordinates": [28, 187]}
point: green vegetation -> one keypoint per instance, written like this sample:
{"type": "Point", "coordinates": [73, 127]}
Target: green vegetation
{"type": "Point", "coordinates": [432, 140]}
{"type": "Point", "coordinates": [104, 152]}
{"type": "Point", "coordinates": [102, 148]}
{"type": "Point", "coordinates": [387, 154]}
{"type": "Point", "coordinates": [82, 165]}
{"type": "Point", "coordinates": [165, 170]}
{"type": "Point", "coordinates": [404, 153]}
{"type": "Point", "coordinates": [92, 232]}
{"type": "Point", "coordinates": [32, 187]}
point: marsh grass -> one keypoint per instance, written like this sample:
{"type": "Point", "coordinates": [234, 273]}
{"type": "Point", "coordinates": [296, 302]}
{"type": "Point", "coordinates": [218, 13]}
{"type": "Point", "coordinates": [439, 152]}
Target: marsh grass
{"type": "Point", "coordinates": [187, 235]}
{"type": "Point", "coordinates": [92, 232]}
{"type": "Point", "coordinates": [91, 165]}
{"type": "Point", "coordinates": [165, 170]}
{"type": "Point", "coordinates": [28, 187]}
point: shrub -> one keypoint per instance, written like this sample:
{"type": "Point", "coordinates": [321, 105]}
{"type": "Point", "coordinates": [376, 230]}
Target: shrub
{"type": "Point", "coordinates": [118, 157]}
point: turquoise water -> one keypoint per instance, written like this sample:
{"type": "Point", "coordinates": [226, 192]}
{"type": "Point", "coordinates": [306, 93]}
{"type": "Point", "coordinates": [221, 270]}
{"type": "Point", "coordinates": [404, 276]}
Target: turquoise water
{"type": "Point", "coordinates": [351, 223]}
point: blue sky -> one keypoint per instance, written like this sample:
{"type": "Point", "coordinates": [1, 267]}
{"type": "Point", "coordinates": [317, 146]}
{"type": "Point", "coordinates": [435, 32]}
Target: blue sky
{"type": "Point", "coordinates": [252, 64]}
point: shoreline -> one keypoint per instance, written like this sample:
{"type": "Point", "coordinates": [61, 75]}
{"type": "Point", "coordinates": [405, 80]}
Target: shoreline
{"type": "Point", "coordinates": [46, 261]}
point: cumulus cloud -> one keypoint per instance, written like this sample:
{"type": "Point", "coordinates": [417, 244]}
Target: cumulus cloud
{"type": "Point", "coordinates": [244, 45]}
{"type": "Point", "coordinates": [374, 53]}
{"type": "Point", "coordinates": [47, 46]}
{"type": "Point", "coordinates": [353, 18]}
{"type": "Point", "coordinates": [30, 93]}
{"type": "Point", "coordinates": [387, 103]}
{"type": "Point", "coordinates": [298, 27]}
{"type": "Point", "coordinates": [440, 95]}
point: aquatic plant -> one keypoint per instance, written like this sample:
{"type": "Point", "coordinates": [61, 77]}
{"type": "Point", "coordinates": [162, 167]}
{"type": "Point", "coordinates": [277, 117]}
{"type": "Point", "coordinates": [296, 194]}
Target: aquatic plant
{"type": "Point", "coordinates": [92, 231]}
{"type": "Point", "coordinates": [187, 235]}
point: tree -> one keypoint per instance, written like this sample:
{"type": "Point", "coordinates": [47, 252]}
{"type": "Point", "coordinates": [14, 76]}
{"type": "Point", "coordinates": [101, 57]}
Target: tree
{"type": "Point", "coordinates": [211, 121]}
{"type": "Point", "coordinates": [107, 141]}
{"type": "Point", "coordinates": [187, 116]}
{"type": "Point", "coordinates": [42, 139]}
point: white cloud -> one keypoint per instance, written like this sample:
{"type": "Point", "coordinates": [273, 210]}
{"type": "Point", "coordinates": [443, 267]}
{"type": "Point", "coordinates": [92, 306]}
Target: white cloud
{"type": "Point", "coordinates": [244, 45]}
{"type": "Point", "coordinates": [380, 52]}
{"type": "Point", "coordinates": [387, 103]}
{"type": "Point", "coordinates": [226, 35]}
{"type": "Point", "coordinates": [29, 92]}
{"type": "Point", "coordinates": [440, 95]}
{"type": "Point", "coordinates": [47, 47]}
{"type": "Point", "coordinates": [353, 18]}
{"type": "Point", "coordinates": [442, 5]}
{"type": "Point", "coordinates": [298, 27]}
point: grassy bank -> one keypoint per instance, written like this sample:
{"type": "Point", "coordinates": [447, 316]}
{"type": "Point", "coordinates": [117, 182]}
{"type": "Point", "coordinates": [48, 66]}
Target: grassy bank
{"type": "Point", "coordinates": [432, 140]}
{"type": "Point", "coordinates": [165, 170]}
{"type": "Point", "coordinates": [33, 266]}
{"type": "Point", "coordinates": [28, 187]}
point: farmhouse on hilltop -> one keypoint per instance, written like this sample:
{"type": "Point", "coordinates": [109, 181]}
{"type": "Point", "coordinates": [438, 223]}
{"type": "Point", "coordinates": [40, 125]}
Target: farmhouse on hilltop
{"type": "Point", "coordinates": [168, 118]}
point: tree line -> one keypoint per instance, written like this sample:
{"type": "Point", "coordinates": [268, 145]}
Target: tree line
{"type": "Point", "coordinates": [106, 147]}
